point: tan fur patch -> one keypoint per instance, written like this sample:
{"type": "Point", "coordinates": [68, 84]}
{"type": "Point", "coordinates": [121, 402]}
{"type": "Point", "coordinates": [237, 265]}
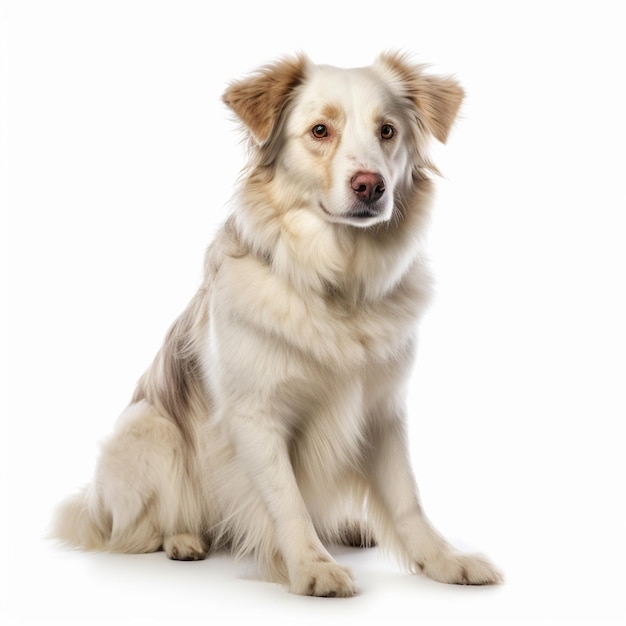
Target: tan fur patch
{"type": "Point", "coordinates": [332, 113]}
{"type": "Point", "coordinates": [437, 97]}
{"type": "Point", "coordinates": [259, 99]}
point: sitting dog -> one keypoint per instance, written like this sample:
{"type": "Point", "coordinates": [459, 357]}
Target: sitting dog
{"type": "Point", "coordinates": [273, 420]}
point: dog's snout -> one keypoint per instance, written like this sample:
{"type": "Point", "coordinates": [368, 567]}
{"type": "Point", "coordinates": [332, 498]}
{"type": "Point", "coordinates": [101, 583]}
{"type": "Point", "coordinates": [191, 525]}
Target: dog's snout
{"type": "Point", "coordinates": [368, 186]}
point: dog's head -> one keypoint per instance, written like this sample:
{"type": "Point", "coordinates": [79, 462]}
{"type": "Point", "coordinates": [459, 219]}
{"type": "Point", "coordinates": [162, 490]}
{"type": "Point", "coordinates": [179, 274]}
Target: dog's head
{"type": "Point", "coordinates": [349, 140]}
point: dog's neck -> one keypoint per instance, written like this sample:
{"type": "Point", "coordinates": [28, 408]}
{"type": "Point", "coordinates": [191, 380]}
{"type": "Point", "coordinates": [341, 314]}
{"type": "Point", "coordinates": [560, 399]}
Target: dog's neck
{"type": "Point", "coordinates": [314, 254]}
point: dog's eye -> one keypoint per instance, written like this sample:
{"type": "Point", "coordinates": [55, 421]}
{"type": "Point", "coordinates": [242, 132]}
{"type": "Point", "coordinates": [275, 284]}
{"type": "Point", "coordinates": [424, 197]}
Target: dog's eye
{"type": "Point", "coordinates": [387, 131]}
{"type": "Point", "coordinates": [319, 131]}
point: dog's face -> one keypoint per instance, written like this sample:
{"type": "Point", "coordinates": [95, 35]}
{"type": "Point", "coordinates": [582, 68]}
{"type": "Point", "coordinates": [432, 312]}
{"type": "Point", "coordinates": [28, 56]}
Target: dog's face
{"type": "Point", "coordinates": [347, 139]}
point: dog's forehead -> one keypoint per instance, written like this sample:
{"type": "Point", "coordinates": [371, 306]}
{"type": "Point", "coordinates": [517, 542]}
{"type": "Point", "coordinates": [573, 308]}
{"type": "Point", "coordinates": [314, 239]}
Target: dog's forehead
{"type": "Point", "coordinates": [345, 88]}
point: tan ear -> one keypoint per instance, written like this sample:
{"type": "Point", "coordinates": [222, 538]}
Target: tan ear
{"type": "Point", "coordinates": [438, 98]}
{"type": "Point", "coordinates": [259, 99]}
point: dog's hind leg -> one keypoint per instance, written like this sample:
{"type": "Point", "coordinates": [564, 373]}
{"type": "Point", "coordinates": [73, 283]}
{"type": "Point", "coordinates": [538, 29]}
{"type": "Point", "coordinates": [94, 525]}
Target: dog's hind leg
{"type": "Point", "coordinates": [185, 547]}
{"type": "Point", "coordinates": [356, 534]}
{"type": "Point", "coordinates": [140, 491]}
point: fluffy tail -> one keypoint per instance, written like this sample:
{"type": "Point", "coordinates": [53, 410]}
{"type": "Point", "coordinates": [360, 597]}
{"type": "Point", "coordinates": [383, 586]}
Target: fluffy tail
{"type": "Point", "coordinates": [75, 526]}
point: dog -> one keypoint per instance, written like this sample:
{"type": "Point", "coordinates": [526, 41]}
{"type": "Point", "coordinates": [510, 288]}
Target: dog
{"type": "Point", "coordinates": [272, 421]}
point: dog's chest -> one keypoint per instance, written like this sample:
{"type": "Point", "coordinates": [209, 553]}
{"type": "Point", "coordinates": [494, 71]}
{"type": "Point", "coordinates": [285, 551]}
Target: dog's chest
{"type": "Point", "coordinates": [328, 328]}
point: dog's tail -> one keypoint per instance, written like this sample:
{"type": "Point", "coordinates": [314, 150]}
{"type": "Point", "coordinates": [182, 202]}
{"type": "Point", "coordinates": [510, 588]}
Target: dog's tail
{"type": "Point", "coordinates": [75, 525]}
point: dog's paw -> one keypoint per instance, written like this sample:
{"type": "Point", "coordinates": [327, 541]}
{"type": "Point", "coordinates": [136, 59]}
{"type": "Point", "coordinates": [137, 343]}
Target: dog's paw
{"type": "Point", "coordinates": [461, 569]}
{"type": "Point", "coordinates": [184, 547]}
{"type": "Point", "coordinates": [325, 579]}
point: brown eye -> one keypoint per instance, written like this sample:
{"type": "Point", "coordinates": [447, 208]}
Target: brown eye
{"type": "Point", "coordinates": [387, 131]}
{"type": "Point", "coordinates": [319, 131]}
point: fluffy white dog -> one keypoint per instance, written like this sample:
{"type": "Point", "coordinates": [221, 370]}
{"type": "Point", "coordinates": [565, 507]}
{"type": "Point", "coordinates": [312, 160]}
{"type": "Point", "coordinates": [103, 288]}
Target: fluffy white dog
{"type": "Point", "coordinates": [273, 420]}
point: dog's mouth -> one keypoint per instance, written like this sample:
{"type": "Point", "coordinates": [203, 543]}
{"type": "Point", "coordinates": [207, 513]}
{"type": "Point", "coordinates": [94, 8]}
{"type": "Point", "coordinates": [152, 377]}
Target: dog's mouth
{"type": "Point", "coordinates": [363, 215]}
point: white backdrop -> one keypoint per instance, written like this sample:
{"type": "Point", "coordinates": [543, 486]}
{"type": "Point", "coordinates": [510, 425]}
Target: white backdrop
{"type": "Point", "coordinates": [118, 158]}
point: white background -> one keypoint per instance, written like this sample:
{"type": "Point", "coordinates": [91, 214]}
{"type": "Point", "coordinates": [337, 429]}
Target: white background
{"type": "Point", "coordinates": [118, 159]}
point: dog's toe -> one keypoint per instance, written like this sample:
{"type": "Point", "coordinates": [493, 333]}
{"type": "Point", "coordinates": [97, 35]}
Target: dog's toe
{"type": "Point", "coordinates": [326, 580]}
{"type": "Point", "coordinates": [462, 569]}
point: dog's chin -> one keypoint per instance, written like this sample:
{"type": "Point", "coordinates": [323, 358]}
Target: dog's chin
{"type": "Point", "coordinates": [360, 216]}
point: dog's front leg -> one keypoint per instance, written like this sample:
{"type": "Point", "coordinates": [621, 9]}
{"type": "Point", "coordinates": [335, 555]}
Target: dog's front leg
{"type": "Point", "coordinates": [262, 451]}
{"type": "Point", "coordinates": [395, 489]}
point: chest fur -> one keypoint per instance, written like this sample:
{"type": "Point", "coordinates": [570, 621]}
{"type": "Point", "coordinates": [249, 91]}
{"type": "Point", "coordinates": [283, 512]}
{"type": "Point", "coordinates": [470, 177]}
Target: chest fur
{"type": "Point", "coordinates": [333, 330]}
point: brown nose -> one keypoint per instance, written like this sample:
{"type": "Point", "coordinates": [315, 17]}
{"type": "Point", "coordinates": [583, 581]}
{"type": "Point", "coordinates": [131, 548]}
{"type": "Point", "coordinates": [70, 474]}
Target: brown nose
{"type": "Point", "coordinates": [368, 186]}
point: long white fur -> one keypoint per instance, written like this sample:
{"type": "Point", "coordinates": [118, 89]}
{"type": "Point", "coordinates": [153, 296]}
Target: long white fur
{"type": "Point", "coordinates": [272, 420]}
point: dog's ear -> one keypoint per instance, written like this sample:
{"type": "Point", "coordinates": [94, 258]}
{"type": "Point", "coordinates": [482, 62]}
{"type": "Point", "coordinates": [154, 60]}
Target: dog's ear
{"type": "Point", "coordinates": [258, 99]}
{"type": "Point", "coordinates": [437, 98]}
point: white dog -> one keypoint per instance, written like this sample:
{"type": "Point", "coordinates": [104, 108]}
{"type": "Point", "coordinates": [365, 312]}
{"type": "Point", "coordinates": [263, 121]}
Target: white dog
{"type": "Point", "coordinates": [272, 420]}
